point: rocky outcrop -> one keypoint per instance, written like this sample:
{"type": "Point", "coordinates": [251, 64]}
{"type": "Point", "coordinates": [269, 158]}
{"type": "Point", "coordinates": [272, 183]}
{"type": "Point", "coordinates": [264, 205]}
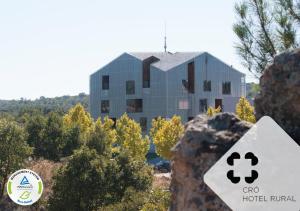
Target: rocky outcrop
{"type": "Point", "coordinates": [205, 140]}
{"type": "Point", "coordinates": [279, 97]}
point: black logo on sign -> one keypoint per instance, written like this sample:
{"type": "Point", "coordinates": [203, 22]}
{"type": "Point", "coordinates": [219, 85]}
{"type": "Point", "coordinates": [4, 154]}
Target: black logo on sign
{"type": "Point", "coordinates": [254, 162]}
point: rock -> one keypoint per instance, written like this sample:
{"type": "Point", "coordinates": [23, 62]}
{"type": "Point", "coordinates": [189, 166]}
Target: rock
{"type": "Point", "coordinates": [279, 97]}
{"type": "Point", "coordinates": [205, 140]}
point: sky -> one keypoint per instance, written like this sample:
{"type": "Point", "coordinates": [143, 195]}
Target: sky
{"type": "Point", "coordinates": [49, 48]}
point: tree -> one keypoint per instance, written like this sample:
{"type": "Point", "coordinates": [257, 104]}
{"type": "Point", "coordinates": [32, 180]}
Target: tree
{"type": "Point", "coordinates": [102, 137]}
{"type": "Point", "coordinates": [35, 127]}
{"type": "Point", "coordinates": [265, 28]}
{"type": "Point", "coordinates": [130, 139]}
{"type": "Point", "coordinates": [52, 143]}
{"type": "Point", "coordinates": [245, 111]}
{"type": "Point", "coordinates": [90, 181]}
{"type": "Point", "coordinates": [49, 138]}
{"type": "Point", "coordinates": [13, 150]}
{"type": "Point", "coordinates": [212, 111]}
{"type": "Point", "coordinates": [80, 185]}
{"type": "Point", "coordinates": [77, 116]}
{"type": "Point", "coordinates": [165, 134]}
{"type": "Point", "coordinates": [71, 140]}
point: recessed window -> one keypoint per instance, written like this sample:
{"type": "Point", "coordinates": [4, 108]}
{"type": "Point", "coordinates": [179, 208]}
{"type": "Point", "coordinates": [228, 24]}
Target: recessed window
{"type": "Point", "coordinates": [207, 86]}
{"type": "Point", "coordinates": [104, 106]}
{"type": "Point", "coordinates": [130, 87]}
{"type": "Point", "coordinates": [183, 104]}
{"type": "Point", "coordinates": [105, 82]}
{"type": "Point", "coordinates": [143, 123]}
{"type": "Point", "coordinates": [226, 88]}
{"type": "Point", "coordinates": [134, 105]}
{"type": "Point", "coordinates": [203, 105]}
{"type": "Point", "coordinates": [191, 77]}
{"type": "Point", "coordinates": [146, 70]}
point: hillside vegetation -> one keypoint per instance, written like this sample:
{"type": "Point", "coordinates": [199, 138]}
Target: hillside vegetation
{"type": "Point", "coordinates": [45, 105]}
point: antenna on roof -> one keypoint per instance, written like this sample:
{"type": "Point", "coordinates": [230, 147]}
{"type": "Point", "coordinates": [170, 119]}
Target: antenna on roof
{"type": "Point", "coordinates": [165, 46]}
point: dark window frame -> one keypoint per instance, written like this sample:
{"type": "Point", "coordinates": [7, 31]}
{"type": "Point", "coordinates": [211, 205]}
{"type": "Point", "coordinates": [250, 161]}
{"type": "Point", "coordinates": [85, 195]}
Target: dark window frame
{"type": "Point", "coordinates": [207, 85]}
{"type": "Point", "coordinates": [134, 105]}
{"type": "Point", "coordinates": [105, 82]}
{"type": "Point", "coordinates": [130, 87]}
{"type": "Point", "coordinates": [146, 70]}
{"type": "Point", "coordinates": [191, 77]}
{"type": "Point", "coordinates": [105, 108]}
{"type": "Point", "coordinates": [226, 88]}
{"type": "Point", "coordinates": [203, 106]}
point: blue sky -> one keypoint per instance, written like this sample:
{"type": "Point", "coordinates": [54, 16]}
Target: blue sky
{"type": "Point", "coordinates": [49, 48]}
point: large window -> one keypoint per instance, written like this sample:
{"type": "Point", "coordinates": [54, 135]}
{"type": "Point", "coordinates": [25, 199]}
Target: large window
{"type": "Point", "coordinates": [143, 123]}
{"type": "Point", "coordinates": [183, 104]}
{"type": "Point", "coordinates": [104, 106]}
{"type": "Point", "coordinates": [203, 105]}
{"type": "Point", "coordinates": [105, 82]}
{"type": "Point", "coordinates": [146, 70]}
{"type": "Point", "coordinates": [130, 87]}
{"type": "Point", "coordinates": [207, 86]}
{"type": "Point", "coordinates": [226, 88]}
{"type": "Point", "coordinates": [191, 77]}
{"type": "Point", "coordinates": [134, 105]}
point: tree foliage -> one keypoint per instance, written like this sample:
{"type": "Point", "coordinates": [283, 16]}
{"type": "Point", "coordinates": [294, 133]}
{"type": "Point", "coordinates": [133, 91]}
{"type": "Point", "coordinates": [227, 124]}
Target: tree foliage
{"type": "Point", "coordinates": [130, 138]}
{"type": "Point", "coordinates": [102, 137]}
{"type": "Point", "coordinates": [78, 116]}
{"type": "Point", "coordinates": [212, 111]}
{"type": "Point", "coordinates": [265, 28]}
{"type": "Point", "coordinates": [245, 111]}
{"type": "Point", "coordinates": [43, 105]}
{"type": "Point", "coordinates": [13, 150]}
{"type": "Point", "coordinates": [49, 138]}
{"type": "Point", "coordinates": [165, 134]}
{"type": "Point", "coordinates": [90, 181]}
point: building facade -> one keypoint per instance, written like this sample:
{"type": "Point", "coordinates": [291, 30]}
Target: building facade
{"type": "Point", "coordinates": [148, 85]}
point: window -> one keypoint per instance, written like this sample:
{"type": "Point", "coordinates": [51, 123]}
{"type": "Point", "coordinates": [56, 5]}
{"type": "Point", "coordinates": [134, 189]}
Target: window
{"type": "Point", "coordinates": [105, 82]}
{"type": "Point", "coordinates": [143, 123]}
{"type": "Point", "coordinates": [134, 105]}
{"type": "Point", "coordinates": [219, 103]}
{"type": "Point", "coordinates": [104, 106]}
{"type": "Point", "coordinates": [146, 70]}
{"type": "Point", "coordinates": [226, 88]}
{"type": "Point", "coordinates": [191, 77]}
{"type": "Point", "coordinates": [203, 105]}
{"type": "Point", "coordinates": [130, 87]}
{"type": "Point", "coordinates": [183, 104]}
{"type": "Point", "coordinates": [207, 86]}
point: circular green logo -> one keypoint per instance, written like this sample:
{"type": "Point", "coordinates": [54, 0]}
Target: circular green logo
{"type": "Point", "coordinates": [25, 187]}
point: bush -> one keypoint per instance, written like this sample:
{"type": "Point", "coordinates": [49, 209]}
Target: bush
{"type": "Point", "coordinates": [91, 181]}
{"type": "Point", "coordinates": [245, 111]}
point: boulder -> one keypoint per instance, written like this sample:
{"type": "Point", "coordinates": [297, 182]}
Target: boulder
{"type": "Point", "coordinates": [204, 141]}
{"type": "Point", "coordinates": [279, 97]}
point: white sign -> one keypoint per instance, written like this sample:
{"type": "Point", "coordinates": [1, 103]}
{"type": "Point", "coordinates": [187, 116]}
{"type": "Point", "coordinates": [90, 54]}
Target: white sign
{"type": "Point", "coordinates": [260, 172]}
{"type": "Point", "coordinates": [25, 187]}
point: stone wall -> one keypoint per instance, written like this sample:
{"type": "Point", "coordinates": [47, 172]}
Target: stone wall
{"type": "Point", "coordinates": [204, 142]}
{"type": "Point", "coordinates": [279, 97]}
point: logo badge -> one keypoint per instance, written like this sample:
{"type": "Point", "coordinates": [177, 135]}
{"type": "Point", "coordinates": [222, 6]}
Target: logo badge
{"type": "Point", "coordinates": [25, 187]}
{"type": "Point", "coordinates": [260, 172]}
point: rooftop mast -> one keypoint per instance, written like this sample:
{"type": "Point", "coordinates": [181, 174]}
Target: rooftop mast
{"type": "Point", "coordinates": [165, 46]}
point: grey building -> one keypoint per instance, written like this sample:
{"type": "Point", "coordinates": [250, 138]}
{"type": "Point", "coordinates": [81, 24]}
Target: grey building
{"type": "Point", "coordinates": [148, 85]}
